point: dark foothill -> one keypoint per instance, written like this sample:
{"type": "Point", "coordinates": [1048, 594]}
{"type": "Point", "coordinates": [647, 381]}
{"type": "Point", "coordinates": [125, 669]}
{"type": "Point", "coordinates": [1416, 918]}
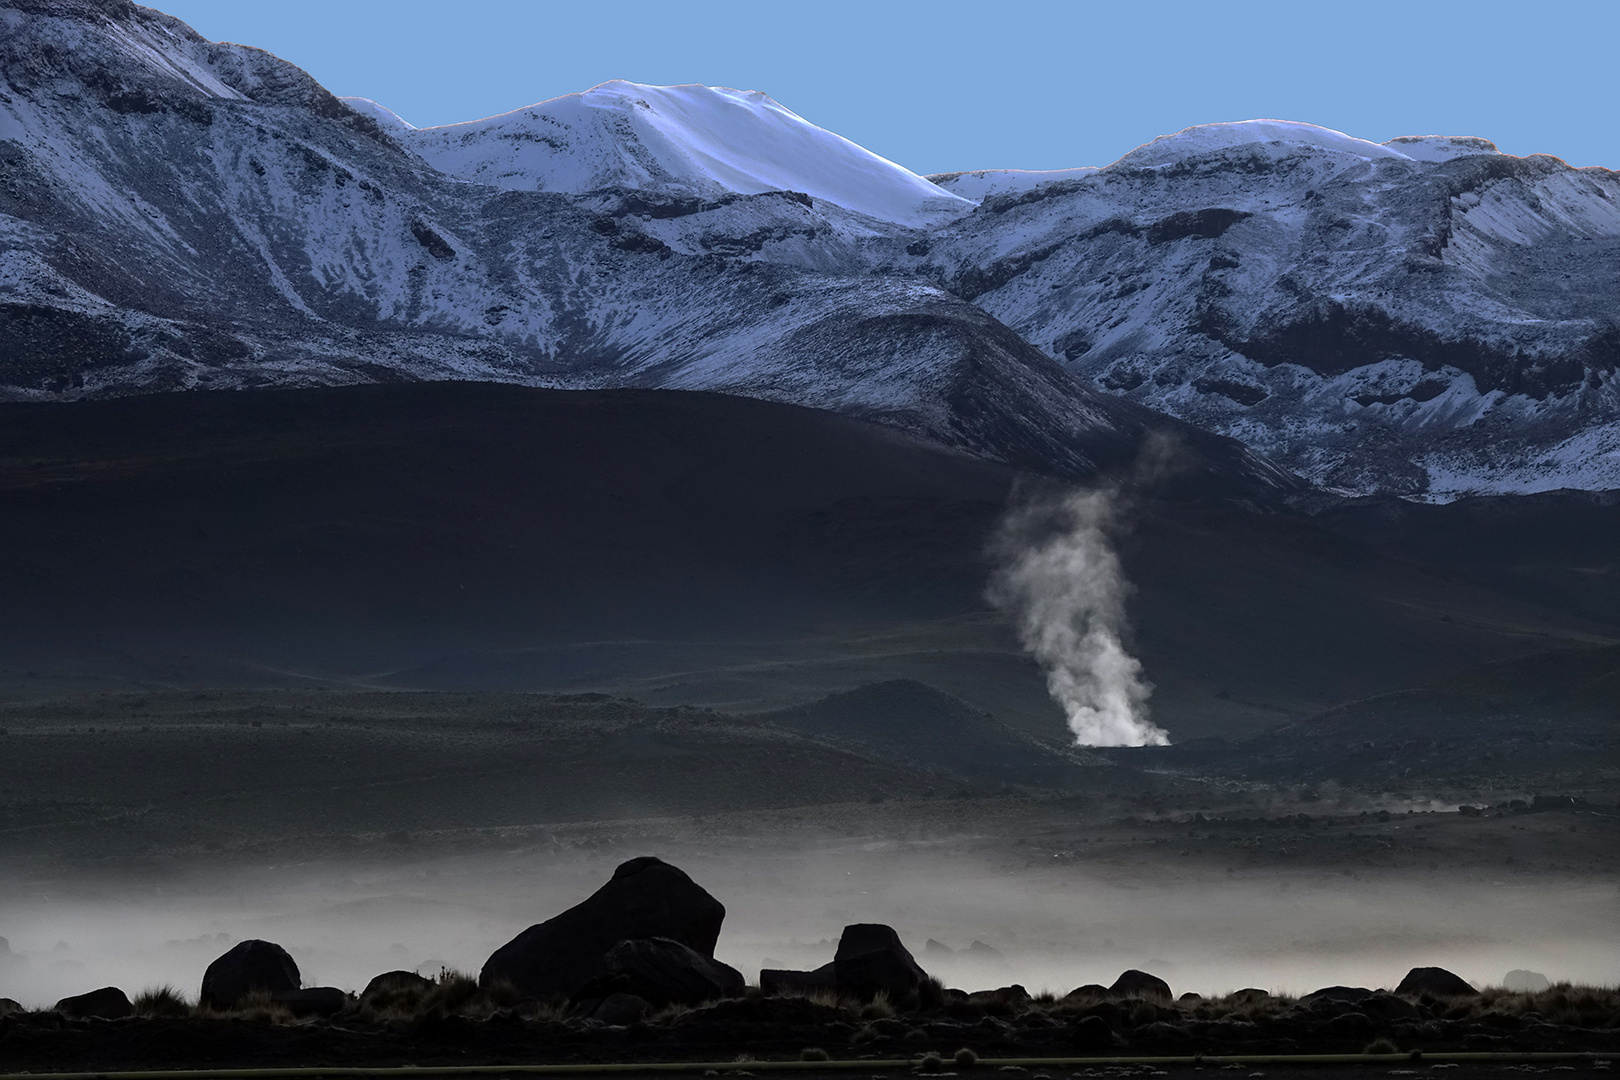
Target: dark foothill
{"type": "Point", "coordinates": [248, 966]}
{"type": "Point", "coordinates": [312, 1001]}
{"type": "Point", "coordinates": [396, 981]}
{"type": "Point", "coordinates": [645, 898]}
{"type": "Point", "coordinates": [108, 1003]}
{"type": "Point", "coordinates": [1436, 981]}
{"type": "Point", "coordinates": [665, 972]}
{"type": "Point", "coordinates": [871, 960]}
{"type": "Point", "coordinates": [783, 981]}
{"type": "Point", "coordinates": [1135, 983]}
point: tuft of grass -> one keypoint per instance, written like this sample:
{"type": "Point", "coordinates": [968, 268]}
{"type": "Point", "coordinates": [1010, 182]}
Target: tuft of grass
{"type": "Point", "coordinates": [814, 1053]}
{"type": "Point", "coordinates": [879, 1008]}
{"type": "Point", "coordinates": [1380, 1046]}
{"type": "Point", "coordinates": [931, 1063]}
{"type": "Point", "coordinates": [669, 1013]}
{"type": "Point", "coordinates": [965, 1058]}
{"type": "Point", "coordinates": [161, 1001]}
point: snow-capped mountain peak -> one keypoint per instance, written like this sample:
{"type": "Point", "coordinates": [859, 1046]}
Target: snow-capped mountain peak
{"type": "Point", "coordinates": [704, 140]}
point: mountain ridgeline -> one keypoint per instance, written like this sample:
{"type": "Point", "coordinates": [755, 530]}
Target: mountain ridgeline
{"type": "Point", "coordinates": [1425, 317]}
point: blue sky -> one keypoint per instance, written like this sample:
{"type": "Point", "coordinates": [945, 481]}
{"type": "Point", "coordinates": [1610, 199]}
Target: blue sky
{"type": "Point", "coordinates": [944, 85]}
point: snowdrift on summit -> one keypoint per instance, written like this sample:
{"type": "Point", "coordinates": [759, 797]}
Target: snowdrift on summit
{"type": "Point", "coordinates": [703, 141]}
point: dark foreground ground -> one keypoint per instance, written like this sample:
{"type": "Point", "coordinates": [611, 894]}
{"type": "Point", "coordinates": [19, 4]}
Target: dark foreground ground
{"type": "Point", "coordinates": [769, 1029]}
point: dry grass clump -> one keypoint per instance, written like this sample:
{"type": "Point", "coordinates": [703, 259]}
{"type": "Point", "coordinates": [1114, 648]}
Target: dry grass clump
{"type": "Point", "coordinates": [814, 1053]}
{"type": "Point", "coordinates": [260, 1009]}
{"type": "Point", "coordinates": [161, 1001]}
{"type": "Point", "coordinates": [1565, 1004]}
{"type": "Point", "coordinates": [879, 1008]}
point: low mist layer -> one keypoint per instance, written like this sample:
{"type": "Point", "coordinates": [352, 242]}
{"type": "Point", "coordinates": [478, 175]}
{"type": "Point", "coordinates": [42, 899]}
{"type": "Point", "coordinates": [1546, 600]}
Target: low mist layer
{"type": "Point", "coordinates": [978, 914]}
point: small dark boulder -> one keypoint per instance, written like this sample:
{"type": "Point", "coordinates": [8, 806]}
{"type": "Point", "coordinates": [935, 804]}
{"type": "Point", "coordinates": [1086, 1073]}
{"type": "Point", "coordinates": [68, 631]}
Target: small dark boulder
{"type": "Point", "coordinates": [1437, 981]}
{"type": "Point", "coordinates": [108, 1003]}
{"type": "Point", "coordinates": [1189, 998]}
{"type": "Point", "coordinates": [1249, 994]}
{"type": "Point", "coordinates": [1096, 990]}
{"type": "Point", "coordinates": [248, 966]}
{"type": "Point", "coordinates": [1351, 994]}
{"type": "Point", "coordinates": [312, 1001]}
{"type": "Point", "coordinates": [778, 1013]}
{"type": "Point", "coordinates": [663, 972]}
{"type": "Point", "coordinates": [396, 982]}
{"type": "Point", "coordinates": [646, 898]}
{"type": "Point", "coordinates": [1092, 1033]}
{"type": "Point", "coordinates": [620, 1010]}
{"type": "Point", "coordinates": [1386, 1006]}
{"type": "Point", "coordinates": [9, 1006]}
{"type": "Point", "coordinates": [871, 960]}
{"type": "Point", "coordinates": [1135, 983]}
{"type": "Point", "coordinates": [1006, 995]}
{"type": "Point", "coordinates": [775, 981]}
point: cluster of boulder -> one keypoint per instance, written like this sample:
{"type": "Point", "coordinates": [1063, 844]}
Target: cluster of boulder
{"type": "Point", "coordinates": [645, 940]}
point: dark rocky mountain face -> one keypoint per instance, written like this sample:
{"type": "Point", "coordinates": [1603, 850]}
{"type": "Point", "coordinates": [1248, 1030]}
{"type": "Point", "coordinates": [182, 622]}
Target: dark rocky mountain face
{"type": "Point", "coordinates": [1417, 319]}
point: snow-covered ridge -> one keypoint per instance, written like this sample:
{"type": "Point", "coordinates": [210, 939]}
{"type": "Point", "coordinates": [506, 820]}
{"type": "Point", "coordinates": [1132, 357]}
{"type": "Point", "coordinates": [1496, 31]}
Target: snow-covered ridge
{"type": "Point", "coordinates": [387, 118]}
{"type": "Point", "coordinates": [697, 140]}
{"type": "Point", "coordinates": [1286, 135]}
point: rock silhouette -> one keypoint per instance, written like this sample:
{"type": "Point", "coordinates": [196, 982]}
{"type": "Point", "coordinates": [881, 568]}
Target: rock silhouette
{"type": "Point", "coordinates": [248, 966]}
{"type": "Point", "coordinates": [1133, 983]}
{"type": "Point", "coordinates": [645, 898]}
{"type": "Point", "coordinates": [1436, 981]}
{"type": "Point", "coordinates": [871, 959]}
{"type": "Point", "coordinates": [108, 1003]}
{"type": "Point", "coordinates": [663, 971]}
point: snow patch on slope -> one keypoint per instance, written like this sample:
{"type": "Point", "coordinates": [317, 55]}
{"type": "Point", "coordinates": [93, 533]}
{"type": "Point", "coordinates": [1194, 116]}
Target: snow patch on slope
{"type": "Point", "coordinates": [980, 184]}
{"type": "Point", "coordinates": [1441, 147]}
{"type": "Point", "coordinates": [1288, 134]}
{"type": "Point", "coordinates": [701, 140]}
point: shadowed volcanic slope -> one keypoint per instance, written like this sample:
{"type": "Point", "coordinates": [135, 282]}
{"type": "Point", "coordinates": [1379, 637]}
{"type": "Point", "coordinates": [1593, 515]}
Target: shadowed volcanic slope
{"type": "Point", "coordinates": [679, 548]}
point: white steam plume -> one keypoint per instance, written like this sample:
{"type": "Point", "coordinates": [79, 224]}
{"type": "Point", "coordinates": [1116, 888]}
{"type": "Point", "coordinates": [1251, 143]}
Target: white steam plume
{"type": "Point", "coordinates": [1060, 577]}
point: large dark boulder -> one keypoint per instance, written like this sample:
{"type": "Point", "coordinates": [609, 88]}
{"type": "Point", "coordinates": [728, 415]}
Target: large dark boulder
{"type": "Point", "coordinates": [646, 898]}
{"type": "Point", "coordinates": [1350, 994]}
{"type": "Point", "coordinates": [108, 1003]}
{"type": "Point", "coordinates": [773, 981]}
{"type": "Point", "coordinates": [1437, 981]}
{"type": "Point", "coordinates": [663, 971]}
{"type": "Point", "coordinates": [248, 966]}
{"type": "Point", "coordinates": [871, 960]}
{"type": "Point", "coordinates": [9, 1006]}
{"type": "Point", "coordinates": [1135, 983]}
